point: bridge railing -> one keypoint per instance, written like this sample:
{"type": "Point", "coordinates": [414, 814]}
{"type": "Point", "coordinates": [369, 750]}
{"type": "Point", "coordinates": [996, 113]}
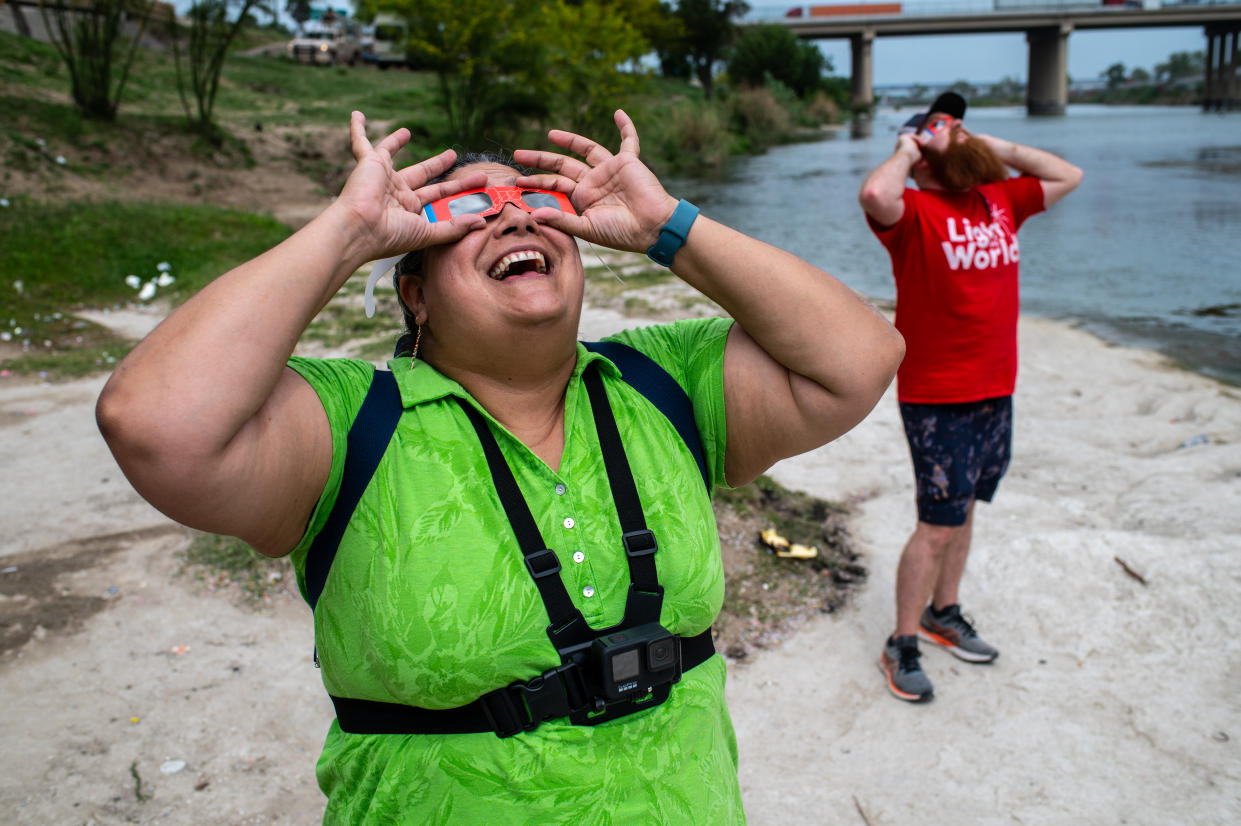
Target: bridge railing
{"type": "Point", "coordinates": [792, 12]}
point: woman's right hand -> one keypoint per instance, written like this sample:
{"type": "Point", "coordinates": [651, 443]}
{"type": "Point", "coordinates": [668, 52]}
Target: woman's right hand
{"type": "Point", "coordinates": [384, 204]}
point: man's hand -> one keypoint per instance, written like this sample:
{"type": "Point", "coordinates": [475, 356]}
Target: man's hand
{"type": "Point", "coordinates": [882, 195]}
{"type": "Point", "coordinates": [1058, 176]}
{"type": "Point", "coordinates": [910, 146]}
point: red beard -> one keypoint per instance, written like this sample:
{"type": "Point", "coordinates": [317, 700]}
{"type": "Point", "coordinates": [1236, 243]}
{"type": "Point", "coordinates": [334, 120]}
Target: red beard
{"type": "Point", "coordinates": [965, 164]}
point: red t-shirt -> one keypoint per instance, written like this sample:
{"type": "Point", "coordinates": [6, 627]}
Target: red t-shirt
{"type": "Point", "coordinates": [954, 257]}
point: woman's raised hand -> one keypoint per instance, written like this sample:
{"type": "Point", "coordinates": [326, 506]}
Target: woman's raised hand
{"type": "Point", "coordinates": [385, 204]}
{"type": "Point", "coordinates": [620, 202]}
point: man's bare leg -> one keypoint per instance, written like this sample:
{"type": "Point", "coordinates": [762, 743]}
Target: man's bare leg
{"type": "Point", "coordinates": [953, 566]}
{"type": "Point", "coordinates": [924, 564]}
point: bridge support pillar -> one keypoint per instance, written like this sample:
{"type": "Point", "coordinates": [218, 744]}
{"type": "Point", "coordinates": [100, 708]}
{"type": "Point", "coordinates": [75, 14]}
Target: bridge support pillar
{"type": "Point", "coordinates": [1221, 88]}
{"type": "Point", "coordinates": [1047, 81]}
{"type": "Point", "coordinates": [861, 82]}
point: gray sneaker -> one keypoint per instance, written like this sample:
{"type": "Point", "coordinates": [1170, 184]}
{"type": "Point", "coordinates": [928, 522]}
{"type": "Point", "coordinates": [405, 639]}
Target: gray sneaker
{"type": "Point", "coordinates": [954, 632]}
{"type": "Point", "coordinates": [900, 664]}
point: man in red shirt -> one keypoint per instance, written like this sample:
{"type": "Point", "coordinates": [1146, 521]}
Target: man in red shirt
{"type": "Point", "coordinates": [953, 243]}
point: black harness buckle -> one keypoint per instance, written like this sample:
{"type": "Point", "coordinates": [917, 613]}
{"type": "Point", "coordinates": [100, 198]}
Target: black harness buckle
{"type": "Point", "coordinates": [543, 563]}
{"type": "Point", "coordinates": [640, 543]}
{"type": "Point", "coordinates": [522, 706]}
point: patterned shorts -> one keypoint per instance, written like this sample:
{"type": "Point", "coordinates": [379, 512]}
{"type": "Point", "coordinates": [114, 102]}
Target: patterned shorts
{"type": "Point", "coordinates": [960, 453]}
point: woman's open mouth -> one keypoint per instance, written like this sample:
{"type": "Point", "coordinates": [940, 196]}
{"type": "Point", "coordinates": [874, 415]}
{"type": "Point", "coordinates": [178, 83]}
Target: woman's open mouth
{"type": "Point", "coordinates": [519, 263]}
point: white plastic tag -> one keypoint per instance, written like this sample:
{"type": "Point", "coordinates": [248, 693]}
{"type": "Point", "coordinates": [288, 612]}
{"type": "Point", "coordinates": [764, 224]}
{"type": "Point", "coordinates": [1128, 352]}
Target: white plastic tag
{"type": "Point", "coordinates": [381, 268]}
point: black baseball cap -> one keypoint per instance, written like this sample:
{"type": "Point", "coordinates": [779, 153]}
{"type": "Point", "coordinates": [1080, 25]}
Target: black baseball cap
{"type": "Point", "coordinates": [950, 103]}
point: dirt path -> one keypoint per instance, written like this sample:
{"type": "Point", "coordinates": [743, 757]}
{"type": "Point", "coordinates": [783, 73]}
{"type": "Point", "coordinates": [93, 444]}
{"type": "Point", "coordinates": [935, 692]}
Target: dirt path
{"type": "Point", "coordinates": [1114, 701]}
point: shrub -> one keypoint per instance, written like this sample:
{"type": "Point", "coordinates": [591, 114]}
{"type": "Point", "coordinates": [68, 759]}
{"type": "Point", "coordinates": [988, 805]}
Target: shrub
{"type": "Point", "coordinates": [693, 137]}
{"type": "Point", "coordinates": [760, 118]}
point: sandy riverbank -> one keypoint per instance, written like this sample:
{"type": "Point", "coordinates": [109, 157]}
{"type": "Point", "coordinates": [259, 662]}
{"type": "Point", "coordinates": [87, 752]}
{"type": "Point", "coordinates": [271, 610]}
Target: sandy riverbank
{"type": "Point", "coordinates": [1112, 702]}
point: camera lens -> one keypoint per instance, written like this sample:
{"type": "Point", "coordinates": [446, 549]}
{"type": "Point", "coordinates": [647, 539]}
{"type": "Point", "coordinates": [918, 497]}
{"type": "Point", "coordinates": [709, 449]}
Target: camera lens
{"type": "Point", "coordinates": [661, 654]}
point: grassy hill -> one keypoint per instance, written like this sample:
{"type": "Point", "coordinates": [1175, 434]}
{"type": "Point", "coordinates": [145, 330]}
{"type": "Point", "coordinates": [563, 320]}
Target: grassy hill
{"type": "Point", "coordinates": [88, 207]}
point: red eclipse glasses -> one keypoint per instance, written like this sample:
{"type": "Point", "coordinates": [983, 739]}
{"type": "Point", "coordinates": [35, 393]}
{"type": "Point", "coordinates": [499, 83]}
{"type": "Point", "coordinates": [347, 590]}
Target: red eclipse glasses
{"type": "Point", "coordinates": [490, 200]}
{"type": "Point", "coordinates": [932, 128]}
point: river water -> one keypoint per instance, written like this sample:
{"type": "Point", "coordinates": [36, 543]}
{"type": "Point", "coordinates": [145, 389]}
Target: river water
{"type": "Point", "coordinates": [1146, 252]}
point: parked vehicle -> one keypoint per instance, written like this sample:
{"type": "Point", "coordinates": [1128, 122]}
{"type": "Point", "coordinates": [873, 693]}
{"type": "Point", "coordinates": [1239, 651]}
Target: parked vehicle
{"type": "Point", "coordinates": [387, 46]}
{"type": "Point", "coordinates": [330, 44]}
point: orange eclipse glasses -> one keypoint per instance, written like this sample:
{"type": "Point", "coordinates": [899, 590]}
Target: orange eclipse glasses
{"type": "Point", "coordinates": [932, 128]}
{"type": "Point", "coordinates": [489, 200]}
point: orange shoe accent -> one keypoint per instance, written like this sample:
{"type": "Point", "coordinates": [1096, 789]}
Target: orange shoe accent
{"type": "Point", "coordinates": [887, 675]}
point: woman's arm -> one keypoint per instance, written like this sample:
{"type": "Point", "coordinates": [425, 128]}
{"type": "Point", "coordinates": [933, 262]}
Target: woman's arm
{"type": "Point", "coordinates": [204, 417]}
{"type": "Point", "coordinates": [808, 358]}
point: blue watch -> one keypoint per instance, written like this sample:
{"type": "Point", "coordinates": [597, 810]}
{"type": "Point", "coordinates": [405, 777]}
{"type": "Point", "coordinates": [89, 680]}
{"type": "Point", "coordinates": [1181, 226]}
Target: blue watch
{"type": "Point", "coordinates": [672, 236]}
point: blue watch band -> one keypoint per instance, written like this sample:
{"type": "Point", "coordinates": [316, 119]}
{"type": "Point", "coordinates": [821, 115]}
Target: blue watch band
{"type": "Point", "coordinates": [672, 236]}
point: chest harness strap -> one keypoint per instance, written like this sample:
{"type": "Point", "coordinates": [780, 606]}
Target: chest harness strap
{"type": "Point", "coordinates": [604, 674]}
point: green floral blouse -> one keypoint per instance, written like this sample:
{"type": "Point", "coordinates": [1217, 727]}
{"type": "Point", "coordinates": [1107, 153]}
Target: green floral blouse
{"type": "Point", "coordinates": [429, 603]}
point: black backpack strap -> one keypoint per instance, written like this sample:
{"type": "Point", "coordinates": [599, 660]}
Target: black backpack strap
{"type": "Point", "coordinates": [642, 373]}
{"type": "Point", "coordinates": [541, 561]}
{"type": "Point", "coordinates": [645, 594]}
{"type": "Point", "coordinates": [368, 439]}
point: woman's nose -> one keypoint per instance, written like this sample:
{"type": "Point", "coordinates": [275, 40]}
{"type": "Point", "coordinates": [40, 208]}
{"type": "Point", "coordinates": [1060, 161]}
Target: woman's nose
{"type": "Point", "coordinates": [513, 218]}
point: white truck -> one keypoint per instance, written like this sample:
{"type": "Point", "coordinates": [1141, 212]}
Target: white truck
{"type": "Point", "coordinates": [326, 44]}
{"type": "Point", "coordinates": [387, 46]}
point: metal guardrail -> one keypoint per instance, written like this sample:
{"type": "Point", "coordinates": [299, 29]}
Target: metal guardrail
{"type": "Point", "coordinates": [917, 8]}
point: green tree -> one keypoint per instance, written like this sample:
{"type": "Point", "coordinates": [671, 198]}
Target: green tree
{"type": "Point", "coordinates": [500, 63]}
{"type": "Point", "coordinates": [89, 37]}
{"type": "Point", "coordinates": [479, 52]}
{"type": "Point", "coordinates": [1114, 75]}
{"type": "Point", "coordinates": [299, 10]}
{"type": "Point", "coordinates": [1140, 75]}
{"type": "Point", "coordinates": [1180, 65]}
{"type": "Point", "coordinates": [709, 31]}
{"type": "Point", "coordinates": [963, 88]}
{"type": "Point", "coordinates": [672, 45]}
{"type": "Point", "coordinates": [772, 51]}
{"type": "Point", "coordinates": [209, 34]}
{"type": "Point", "coordinates": [583, 83]}
{"type": "Point", "coordinates": [1009, 88]}
{"type": "Point", "coordinates": [652, 20]}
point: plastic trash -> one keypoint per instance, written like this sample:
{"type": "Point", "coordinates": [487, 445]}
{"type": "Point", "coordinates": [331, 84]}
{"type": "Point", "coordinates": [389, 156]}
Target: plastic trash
{"type": "Point", "coordinates": [772, 539]}
{"type": "Point", "coordinates": [796, 551]}
{"type": "Point", "coordinates": [171, 766]}
{"type": "Point", "coordinates": [1200, 439]}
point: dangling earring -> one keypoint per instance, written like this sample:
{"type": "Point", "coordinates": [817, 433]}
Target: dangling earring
{"type": "Point", "coordinates": [414, 355]}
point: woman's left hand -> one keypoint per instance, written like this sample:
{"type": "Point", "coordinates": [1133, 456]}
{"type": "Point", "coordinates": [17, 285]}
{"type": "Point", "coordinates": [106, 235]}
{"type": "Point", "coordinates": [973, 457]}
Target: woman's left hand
{"type": "Point", "coordinates": [620, 202]}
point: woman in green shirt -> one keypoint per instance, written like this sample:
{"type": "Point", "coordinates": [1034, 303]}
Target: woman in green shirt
{"type": "Point", "coordinates": [436, 596]}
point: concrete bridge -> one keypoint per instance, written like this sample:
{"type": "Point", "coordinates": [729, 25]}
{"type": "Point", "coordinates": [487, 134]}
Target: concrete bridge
{"type": "Point", "coordinates": [1047, 26]}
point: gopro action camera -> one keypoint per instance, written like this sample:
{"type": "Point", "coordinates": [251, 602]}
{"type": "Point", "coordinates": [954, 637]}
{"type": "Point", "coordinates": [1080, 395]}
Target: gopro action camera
{"type": "Point", "coordinates": [631, 663]}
